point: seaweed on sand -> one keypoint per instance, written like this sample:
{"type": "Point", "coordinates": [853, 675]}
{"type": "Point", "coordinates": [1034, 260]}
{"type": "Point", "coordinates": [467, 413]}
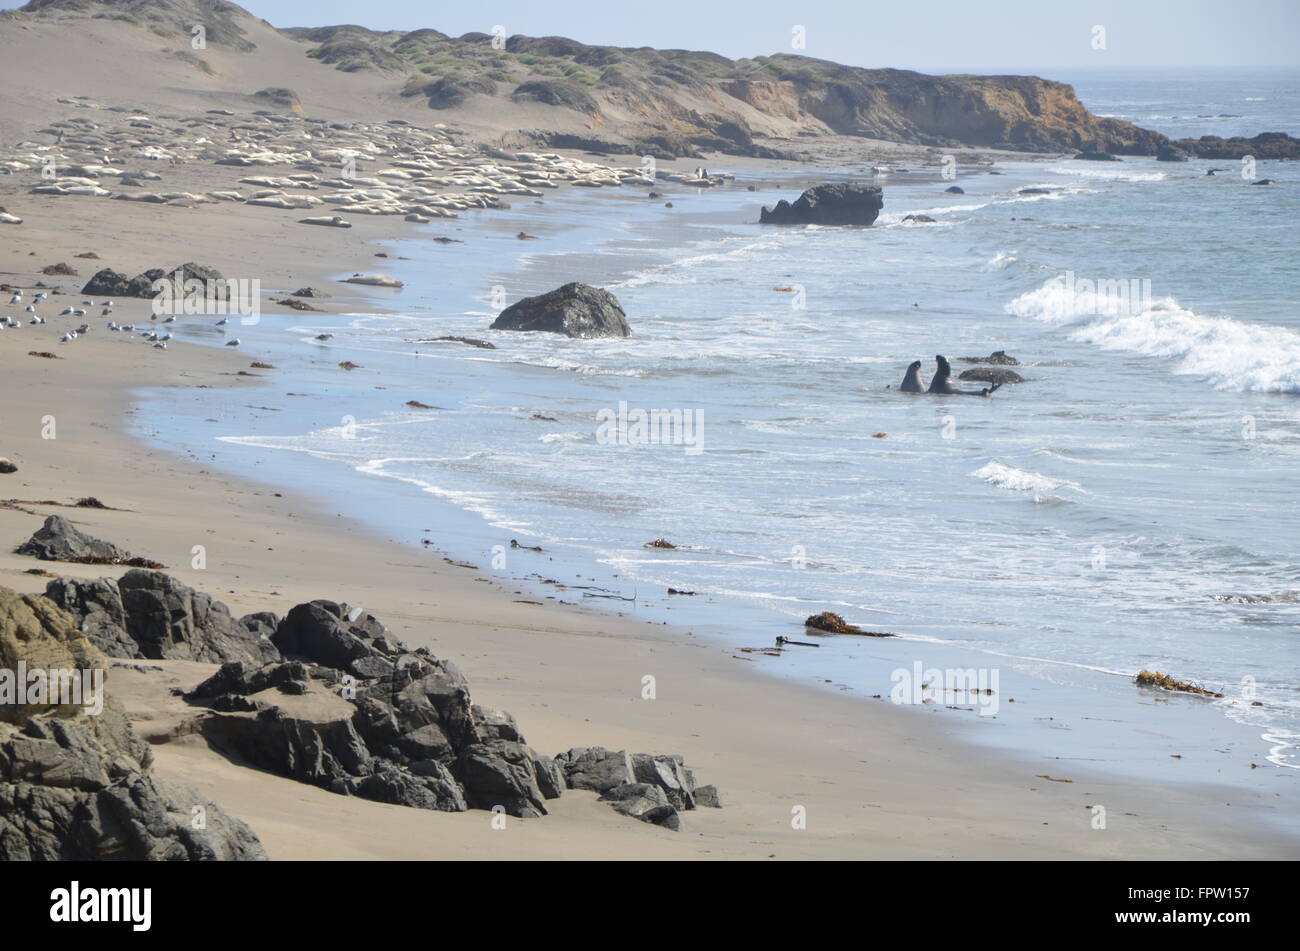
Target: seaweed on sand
{"type": "Point", "coordinates": [1151, 678]}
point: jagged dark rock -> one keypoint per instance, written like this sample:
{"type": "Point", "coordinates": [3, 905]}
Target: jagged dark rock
{"type": "Point", "coordinates": [644, 801]}
{"type": "Point", "coordinates": [999, 375]}
{"type": "Point", "coordinates": [98, 607]}
{"type": "Point", "coordinates": [1266, 145]}
{"type": "Point", "coordinates": [77, 786]}
{"type": "Point", "coordinates": [59, 540]}
{"type": "Point", "coordinates": [147, 614]}
{"type": "Point", "coordinates": [110, 283]}
{"type": "Point", "coordinates": [595, 768]}
{"type": "Point", "coordinates": [575, 310]}
{"type": "Point", "coordinates": [170, 620]}
{"type": "Point", "coordinates": [996, 358]}
{"type": "Point", "coordinates": [838, 204]}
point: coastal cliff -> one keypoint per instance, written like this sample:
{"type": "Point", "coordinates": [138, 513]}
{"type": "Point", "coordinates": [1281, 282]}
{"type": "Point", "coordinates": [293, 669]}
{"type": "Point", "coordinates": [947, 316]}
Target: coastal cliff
{"type": "Point", "coordinates": [525, 91]}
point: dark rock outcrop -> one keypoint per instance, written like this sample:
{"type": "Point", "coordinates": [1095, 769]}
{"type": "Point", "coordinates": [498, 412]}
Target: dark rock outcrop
{"type": "Point", "coordinates": [360, 714]}
{"type": "Point", "coordinates": [838, 204]}
{"type": "Point", "coordinates": [148, 614]}
{"type": "Point", "coordinates": [1266, 145]}
{"type": "Point", "coordinates": [1097, 156]}
{"type": "Point", "coordinates": [999, 375]}
{"type": "Point", "coordinates": [996, 358]}
{"type": "Point", "coordinates": [1169, 152]}
{"type": "Point", "coordinates": [97, 606]}
{"type": "Point", "coordinates": [575, 310]}
{"type": "Point", "coordinates": [76, 786]}
{"type": "Point", "coordinates": [59, 540]}
{"type": "Point", "coordinates": [654, 789]}
{"type": "Point", "coordinates": [110, 283]}
{"type": "Point", "coordinates": [170, 620]}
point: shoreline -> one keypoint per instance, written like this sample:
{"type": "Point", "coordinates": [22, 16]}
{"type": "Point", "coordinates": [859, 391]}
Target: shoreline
{"type": "Point", "coordinates": [942, 798]}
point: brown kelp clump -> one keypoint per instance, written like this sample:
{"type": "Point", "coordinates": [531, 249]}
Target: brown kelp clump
{"type": "Point", "coordinates": [832, 623]}
{"type": "Point", "coordinates": [1151, 678]}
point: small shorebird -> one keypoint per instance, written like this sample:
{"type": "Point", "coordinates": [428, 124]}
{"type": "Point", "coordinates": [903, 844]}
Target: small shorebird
{"type": "Point", "coordinates": [222, 322]}
{"type": "Point", "coordinates": [68, 337]}
{"type": "Point", "coordinates": [233, 343]}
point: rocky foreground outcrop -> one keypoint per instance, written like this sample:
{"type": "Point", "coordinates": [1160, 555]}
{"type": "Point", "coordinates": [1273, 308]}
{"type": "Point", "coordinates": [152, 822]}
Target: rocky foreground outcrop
{"type": "Point", "coordinates": [574, 310]}
{"type": "Point", "coordinates": [838, 204]}
{"type": "Point", "coordinates": [76, 784]}
{"type": "Point", "coordinates": [328, 696]}
{"type": "Point", "coordinates": [148, 614]}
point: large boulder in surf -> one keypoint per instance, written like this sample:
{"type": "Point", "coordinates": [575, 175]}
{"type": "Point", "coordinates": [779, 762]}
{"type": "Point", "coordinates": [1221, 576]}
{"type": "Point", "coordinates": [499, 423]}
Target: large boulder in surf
{"type": "Point", "coordinates": [575, 310]}
{"type": "Point", "coordinates": [845, 203]}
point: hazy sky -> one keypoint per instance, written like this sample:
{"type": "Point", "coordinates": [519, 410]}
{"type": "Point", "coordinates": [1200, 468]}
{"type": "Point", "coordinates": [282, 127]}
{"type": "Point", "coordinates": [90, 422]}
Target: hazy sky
{"type": "Point", "coordinates": [988, 35]}
{"type": "Point", "coordinates": [948, 34]}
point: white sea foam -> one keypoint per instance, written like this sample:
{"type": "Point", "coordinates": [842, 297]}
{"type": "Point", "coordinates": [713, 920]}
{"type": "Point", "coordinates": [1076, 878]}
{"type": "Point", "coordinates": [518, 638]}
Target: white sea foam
{"type": "Point", "coordinates": [1230, 354]}
{"type": "Point", "coordinates": [1001, 261]}
{"type": "Point", "coordinates": [1020, 480]}
{"type": "Point", "coordinates": [1119, 175]}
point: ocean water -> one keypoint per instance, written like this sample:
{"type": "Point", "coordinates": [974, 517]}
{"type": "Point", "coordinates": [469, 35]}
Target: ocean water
{"type": "Point", "coordinates": [1132, 505]}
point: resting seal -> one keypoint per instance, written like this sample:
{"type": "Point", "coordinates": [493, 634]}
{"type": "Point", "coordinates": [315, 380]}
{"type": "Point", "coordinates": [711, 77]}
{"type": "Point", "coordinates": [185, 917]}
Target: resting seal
{"type": "Point", "coordinates": [942, 382]}
{"type": "Point", "coordinates": [912, 381]}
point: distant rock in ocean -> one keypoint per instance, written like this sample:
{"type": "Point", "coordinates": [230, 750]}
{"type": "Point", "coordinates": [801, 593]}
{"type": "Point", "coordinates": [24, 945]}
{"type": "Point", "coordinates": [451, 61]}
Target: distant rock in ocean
{"type": "Point", "coordinates": [575, 310]}
{"type": "Point", "coordinates": [839, 204]}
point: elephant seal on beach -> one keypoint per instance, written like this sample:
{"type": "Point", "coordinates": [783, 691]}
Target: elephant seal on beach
{"type": "Point", "coordinates": [912, 381]}
{"type": "Point", "coordinates": [942, 382]}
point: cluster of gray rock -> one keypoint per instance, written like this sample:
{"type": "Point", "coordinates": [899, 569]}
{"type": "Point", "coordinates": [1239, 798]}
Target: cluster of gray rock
{"type": "Point", "coordinates": [328, 696]}
{"type": "Point", "coordinates": [110, 283]}
{"type": "Point", "coordinates": [650, 788]}
{"type": "Point", "coordinates": [80, 787]}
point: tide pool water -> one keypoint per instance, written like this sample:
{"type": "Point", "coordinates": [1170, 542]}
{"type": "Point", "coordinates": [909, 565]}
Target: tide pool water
{"type": "Point", "coordinates": [1132, 505]}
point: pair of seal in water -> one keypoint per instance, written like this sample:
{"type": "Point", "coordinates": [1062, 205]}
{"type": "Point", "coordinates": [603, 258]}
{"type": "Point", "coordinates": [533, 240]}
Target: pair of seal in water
{"type": "Point", "coordinates": [942, 382]}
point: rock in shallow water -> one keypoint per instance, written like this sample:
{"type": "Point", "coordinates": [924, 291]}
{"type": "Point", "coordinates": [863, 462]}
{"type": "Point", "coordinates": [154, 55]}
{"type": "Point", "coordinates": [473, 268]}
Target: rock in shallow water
{"type": "Point", "coordinates": [839, 204]}
{"type": "Point", "coordinates": [574, 310]}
